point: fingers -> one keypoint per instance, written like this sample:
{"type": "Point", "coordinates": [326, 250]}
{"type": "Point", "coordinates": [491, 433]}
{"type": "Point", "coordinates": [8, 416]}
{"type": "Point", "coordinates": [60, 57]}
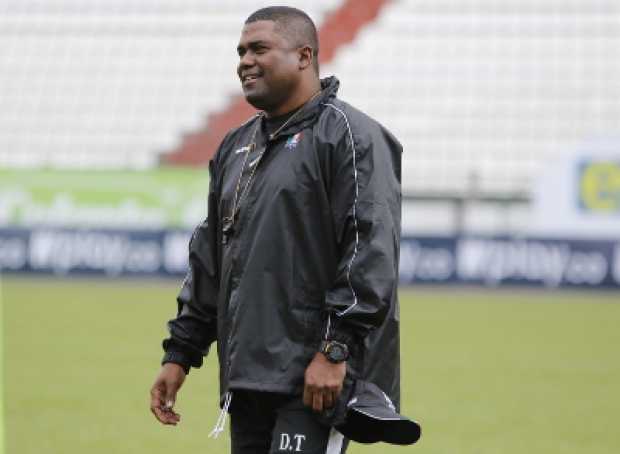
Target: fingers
{"type": "Point", "coordinates": [307, 396]}
{"type": "Point", "coordinates": [164, 414]}
{"type": "Point", "coordinates": [163, 395]}
{"type": "Point", "coordinates": [171, 396]}
{"type": "Point", "coordinates": [320, 399]}
{"type": "Point", "coordinates": [317, 401]}
{"type": "Point", "coordinates": [322, 383]}
{"type": "Point", "coordinates": [171, 418]}
{"type": "Point", "coordinates": [167, 417]}
{"type": "Point", "coordinates": [328, 399]}
{"type": "Point", "coordinates": [156, 399]}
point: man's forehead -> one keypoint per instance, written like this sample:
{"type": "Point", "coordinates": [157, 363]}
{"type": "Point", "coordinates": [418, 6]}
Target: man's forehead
{"type": "Point", "coordinates": [262, 30]}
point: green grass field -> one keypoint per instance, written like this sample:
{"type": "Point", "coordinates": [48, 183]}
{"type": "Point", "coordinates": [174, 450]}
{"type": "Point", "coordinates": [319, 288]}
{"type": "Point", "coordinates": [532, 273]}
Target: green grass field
{"type": "Point", "coordinates": [484, 372]}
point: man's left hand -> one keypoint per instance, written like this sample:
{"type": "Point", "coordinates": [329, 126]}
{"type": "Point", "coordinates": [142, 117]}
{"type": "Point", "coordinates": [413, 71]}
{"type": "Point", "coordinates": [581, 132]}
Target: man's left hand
{"type": "Point", "coordinates": [323, 382]}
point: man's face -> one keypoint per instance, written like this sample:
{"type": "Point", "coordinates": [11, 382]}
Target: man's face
{"type": "Point", "coordinates": [268, 65]}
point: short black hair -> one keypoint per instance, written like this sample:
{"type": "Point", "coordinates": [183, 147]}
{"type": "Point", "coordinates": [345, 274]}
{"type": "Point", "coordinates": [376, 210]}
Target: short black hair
{"type": "Point", "coordinates": [295, 25]}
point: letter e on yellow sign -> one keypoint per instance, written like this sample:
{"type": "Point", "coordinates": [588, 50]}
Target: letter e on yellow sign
{"type": "Point", "coordinates": [599, 187]}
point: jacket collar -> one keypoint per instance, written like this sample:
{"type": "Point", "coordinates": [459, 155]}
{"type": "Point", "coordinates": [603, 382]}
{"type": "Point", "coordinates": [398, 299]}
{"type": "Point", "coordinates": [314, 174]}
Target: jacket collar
{"type": "Point", "coordinates": [311, 111]}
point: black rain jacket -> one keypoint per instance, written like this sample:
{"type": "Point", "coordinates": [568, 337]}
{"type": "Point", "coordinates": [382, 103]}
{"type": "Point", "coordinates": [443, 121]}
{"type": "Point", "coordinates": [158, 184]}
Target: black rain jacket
{"type": "Point", "coordinates": [314, 254]}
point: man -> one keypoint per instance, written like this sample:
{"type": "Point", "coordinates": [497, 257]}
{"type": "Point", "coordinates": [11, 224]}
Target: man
{"type": "Point", "coordinates": [294, 272]}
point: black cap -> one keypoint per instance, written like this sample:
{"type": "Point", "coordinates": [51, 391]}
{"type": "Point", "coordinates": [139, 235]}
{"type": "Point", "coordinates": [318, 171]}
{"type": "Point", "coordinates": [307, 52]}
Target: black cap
{"type": "Point", "coordinates": [371, 417]}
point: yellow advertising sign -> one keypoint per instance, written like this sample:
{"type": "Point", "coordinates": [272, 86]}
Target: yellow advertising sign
{"type": "Point", "coordinates": [599, 187]}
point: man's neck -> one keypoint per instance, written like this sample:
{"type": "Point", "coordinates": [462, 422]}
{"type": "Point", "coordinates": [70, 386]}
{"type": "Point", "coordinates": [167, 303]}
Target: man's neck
{"type": "Point", "coordinates": [296, 101]}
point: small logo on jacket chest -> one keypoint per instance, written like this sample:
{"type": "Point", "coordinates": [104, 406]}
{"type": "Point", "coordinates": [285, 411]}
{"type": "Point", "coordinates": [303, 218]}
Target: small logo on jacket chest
{"type": "Point", "coordinates": [292, 142]}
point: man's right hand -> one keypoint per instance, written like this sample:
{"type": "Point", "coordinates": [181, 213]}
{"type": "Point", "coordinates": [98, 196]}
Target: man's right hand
{"type": "Point", "coordinates": [164, 393]}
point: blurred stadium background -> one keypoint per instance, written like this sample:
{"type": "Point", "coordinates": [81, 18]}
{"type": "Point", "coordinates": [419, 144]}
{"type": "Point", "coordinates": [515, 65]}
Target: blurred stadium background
{"type": "Point", "coordinates": [509, 113]}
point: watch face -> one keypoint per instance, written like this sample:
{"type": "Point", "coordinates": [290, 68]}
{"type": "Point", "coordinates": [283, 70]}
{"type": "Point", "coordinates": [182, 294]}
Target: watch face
{"type": "Point", "coordinates": [337, 353]}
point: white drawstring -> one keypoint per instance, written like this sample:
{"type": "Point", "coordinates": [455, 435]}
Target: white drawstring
{"type": "Point", "coordinates": [221, 420]}
{"type": "Point", "coordinates": [329, 324]}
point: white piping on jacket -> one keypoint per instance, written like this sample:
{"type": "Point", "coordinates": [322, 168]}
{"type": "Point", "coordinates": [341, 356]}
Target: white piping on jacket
{"type": "Point", "coordinates": [329, 325]}
{"type": "Point", "coordinates": [340, 314]}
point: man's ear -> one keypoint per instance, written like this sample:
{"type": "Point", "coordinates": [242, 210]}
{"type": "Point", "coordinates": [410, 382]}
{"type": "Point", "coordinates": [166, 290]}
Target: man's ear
{"type": "Point", "coordinates": [306, 57]}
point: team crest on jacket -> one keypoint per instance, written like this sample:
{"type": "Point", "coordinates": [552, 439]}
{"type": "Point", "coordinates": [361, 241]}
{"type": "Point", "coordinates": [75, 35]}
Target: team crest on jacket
{"type": "Point", "coordinates": [292, 141]}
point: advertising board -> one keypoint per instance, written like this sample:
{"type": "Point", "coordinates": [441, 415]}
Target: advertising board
{"type": "Point", "coordinates": [484, 261]}
{"type": "Point", "coordinates": [488, 261]}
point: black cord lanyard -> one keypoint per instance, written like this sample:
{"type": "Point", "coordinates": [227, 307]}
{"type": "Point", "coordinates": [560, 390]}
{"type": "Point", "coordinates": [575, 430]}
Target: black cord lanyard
{"type": "Point", "coordinates": [229, 221]}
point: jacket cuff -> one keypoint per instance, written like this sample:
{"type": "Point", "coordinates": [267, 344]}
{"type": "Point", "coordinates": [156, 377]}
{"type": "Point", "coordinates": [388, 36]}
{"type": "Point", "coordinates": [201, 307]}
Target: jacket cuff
{"type": "Point", "coordinates": [342, 334]}
{"type": "Point", "coordinates": [179, 354]}
{"type": "Point", "coordinates": [179, 358]}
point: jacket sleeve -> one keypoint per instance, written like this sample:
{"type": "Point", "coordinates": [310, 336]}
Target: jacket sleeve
{"type": "Point", "coordinates": [195, 326]}
{"type": "Point", "coordinates": [365, 199]}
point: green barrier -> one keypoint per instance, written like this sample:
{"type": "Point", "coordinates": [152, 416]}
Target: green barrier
{"type": "Point", "coordinates": [155, 199]}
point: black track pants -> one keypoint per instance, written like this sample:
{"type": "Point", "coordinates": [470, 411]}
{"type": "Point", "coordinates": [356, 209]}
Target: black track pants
{"type": "Point", "coordinates": [269, 423]}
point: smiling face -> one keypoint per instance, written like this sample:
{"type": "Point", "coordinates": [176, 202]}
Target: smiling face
{"type": "Point", "coordinates": [269, 66]}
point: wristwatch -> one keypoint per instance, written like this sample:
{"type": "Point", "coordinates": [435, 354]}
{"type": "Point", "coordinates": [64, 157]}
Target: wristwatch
{"type": "Point", "coordinates": [335, 352]}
